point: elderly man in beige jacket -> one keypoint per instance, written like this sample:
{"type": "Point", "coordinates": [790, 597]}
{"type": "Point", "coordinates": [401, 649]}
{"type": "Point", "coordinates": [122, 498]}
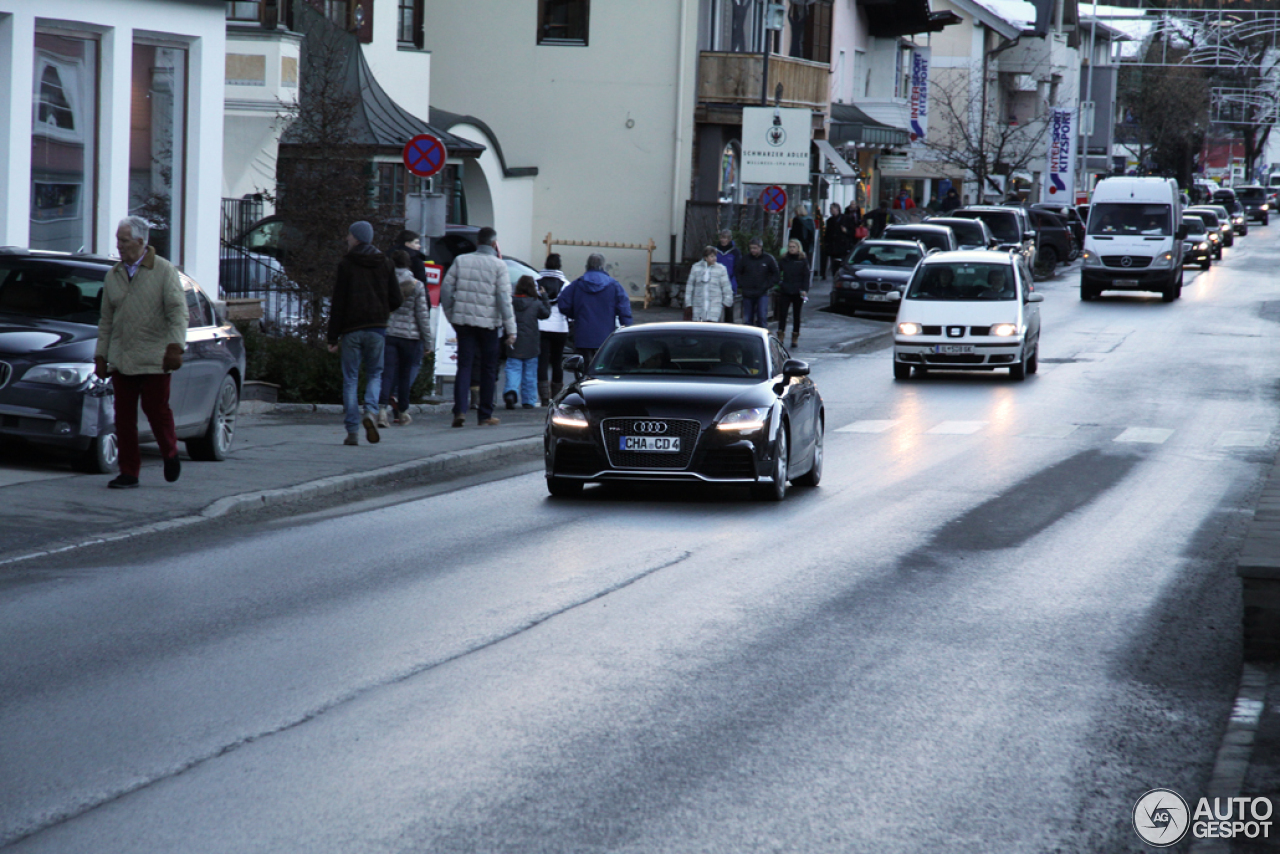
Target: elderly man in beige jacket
{"type": "Point", "coordinates": [142, 333]}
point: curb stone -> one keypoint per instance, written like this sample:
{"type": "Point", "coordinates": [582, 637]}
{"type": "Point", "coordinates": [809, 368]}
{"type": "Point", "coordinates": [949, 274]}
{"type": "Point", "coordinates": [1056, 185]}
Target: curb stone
{"type": "Point", "coordinates": [333, 485]}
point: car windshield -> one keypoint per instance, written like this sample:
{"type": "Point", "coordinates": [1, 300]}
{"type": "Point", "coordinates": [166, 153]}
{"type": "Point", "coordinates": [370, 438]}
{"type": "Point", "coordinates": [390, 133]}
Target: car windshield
{"type": "Point", "coordinates": [516, 269]}
{"type": "Point", "coordinates": [51, 290]}
{"type": "Point", "coordinates": [956, 281]}
{"type": "Point", "coordinates": [930, 239]}
{"type": "Point", "coordinates": [1209, 218]}
{"type": "Point", "coordinates": [690, 354]}
{"type": "Point", "coordinates": [968, 232]}
{"type": "Point", "coordinates": [884, 256]}
{"type": "Point", "coordinates": [1194, 224]}
{"type": "Point", "coordinates": [1004, 226]}
{"type": "Point", "coordinates": [1130, 219]}
{"type": "Point", "coordinates": [1251, 194]}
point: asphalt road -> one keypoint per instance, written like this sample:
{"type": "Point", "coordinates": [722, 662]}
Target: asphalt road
{"type": "Point", "coordinates": [1009, 610]}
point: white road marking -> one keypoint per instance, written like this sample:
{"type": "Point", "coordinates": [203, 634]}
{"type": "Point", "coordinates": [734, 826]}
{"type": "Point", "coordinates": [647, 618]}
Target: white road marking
{"type": "Point", "coordinates": [957, 428]}
{"type": "Point", "coordinates": [1052, 431]}
{"type": "Point", "coordinates": [866, 427]}
{"type": "Point", "coordinates": [1243, 439]}
{"type": "Point", "coordinates": [1144, 435]}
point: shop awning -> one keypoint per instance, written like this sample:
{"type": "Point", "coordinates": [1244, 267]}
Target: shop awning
{"type": "Point", "coordinates": [833, 157]}
{"type": "Point", "coordinates": [849, 124]}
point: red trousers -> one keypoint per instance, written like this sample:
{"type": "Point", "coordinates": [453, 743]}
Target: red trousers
{"type": "Point", "coordinates": [153, 390]}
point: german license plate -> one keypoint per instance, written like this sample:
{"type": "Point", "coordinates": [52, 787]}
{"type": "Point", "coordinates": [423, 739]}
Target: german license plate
{"type": "Point", "coordinates": [1126, 283]}
{"type": "Point", "coordinates": [953, 349]}
{"type": "Point", "coordinates": [651, 444]}
{"type": "Point", "coordinates": [876, 297]}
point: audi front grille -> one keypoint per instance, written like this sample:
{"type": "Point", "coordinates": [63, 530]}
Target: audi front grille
{"type": "Point", "coordinates": [613, 429]}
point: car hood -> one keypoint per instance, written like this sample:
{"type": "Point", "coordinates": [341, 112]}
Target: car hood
{"type": "Point", "coordinates": [881, 274]}
{"type": "Point", "coordinates": [46, 339]}
{"type": "Point", "coordinates": [703, 399]}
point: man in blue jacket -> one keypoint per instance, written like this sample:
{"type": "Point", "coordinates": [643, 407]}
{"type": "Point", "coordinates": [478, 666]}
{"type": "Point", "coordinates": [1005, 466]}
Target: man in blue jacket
{"type": "Point", "coordinates": [596, 304]}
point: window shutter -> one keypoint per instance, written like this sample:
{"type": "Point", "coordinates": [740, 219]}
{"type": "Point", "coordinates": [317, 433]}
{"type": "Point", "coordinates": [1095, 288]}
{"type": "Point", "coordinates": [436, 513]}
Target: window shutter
{"type": "Point", "coordinates": [365, 33]}
{"type": "Point", "coordinates": [419, 25]}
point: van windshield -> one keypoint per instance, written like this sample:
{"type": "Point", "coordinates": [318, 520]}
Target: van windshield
{"type": "Point", "coordinates": [1130, 219]}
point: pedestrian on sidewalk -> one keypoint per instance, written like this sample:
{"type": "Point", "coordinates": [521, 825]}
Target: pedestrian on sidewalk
{"type": "Point", "coordinates": [838, 240]}
{"type": "Point", "coordinates": [877, 220]}
{"type": "Point", "coordinates": [597, 304]}
{"type": "Point", "coordinates": [758, 275]}
{"type": "Point", "coordinates": [410, 242]}
{"type": "Point", "coordinates": [408, 337]}
{"type": "Point", "coordinates": [794, 289]}
{"type": "Point", "coordinates": [727, 254]}
{"type": "Point", "coordinates": [476, 298]}
{"type": "Point", "coordinates": [803, 229]}
{"type": "Point", "coordinates": [708, 287]}
{"type": "Point", "coordinates": [530, 306]}
{"type": "Point", "coordinates": [142, 334]}
{"type": "Point", "coordinates": [553, 331]}
{"type": "Point", "coordinates": [365, 293]}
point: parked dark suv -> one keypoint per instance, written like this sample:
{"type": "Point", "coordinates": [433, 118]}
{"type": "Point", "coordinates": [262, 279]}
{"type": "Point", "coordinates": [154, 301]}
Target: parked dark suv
{"type": "Point", "coordinates": [1055, 244]}
{"type": "Point", "coordinates": [1256, 202]}
{"type": "Point", "coordinates": [49, 394]}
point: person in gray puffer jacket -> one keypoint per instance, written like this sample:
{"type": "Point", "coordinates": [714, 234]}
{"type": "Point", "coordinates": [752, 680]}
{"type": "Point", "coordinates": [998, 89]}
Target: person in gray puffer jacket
{"type": "Point", "coordinates": [530, 305]}
{"type": "Point", "coordinates": [476, 297]}
{"type": "Point", "coordinates": [408, 337]}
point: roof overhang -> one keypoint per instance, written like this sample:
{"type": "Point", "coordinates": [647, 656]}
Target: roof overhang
{"type": "Point", "coordinates": [988, 18]}
{"type": "Point", "coordinates": [851, 125]}
{"type": "Point", "coordinates": [833, 157]}
{"type": "Point", "coordinates": [894, 18]}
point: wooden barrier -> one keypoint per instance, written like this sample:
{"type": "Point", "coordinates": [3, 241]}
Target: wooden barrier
{"type": "Point", "coordinates": [648, 264]}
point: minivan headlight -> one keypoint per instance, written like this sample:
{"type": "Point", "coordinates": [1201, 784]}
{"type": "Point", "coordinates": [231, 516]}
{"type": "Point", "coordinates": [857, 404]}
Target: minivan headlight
{"type": "Point", "coordinates": [1162, 261]}
{"type": "Point", "coordinates": [69, 375]}
{"type": "Point", "coordinates": [1090, 258]}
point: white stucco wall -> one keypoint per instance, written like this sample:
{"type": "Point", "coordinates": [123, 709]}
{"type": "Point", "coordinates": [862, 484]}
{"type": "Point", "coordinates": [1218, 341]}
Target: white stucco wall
{"type": "Point", "coordinates": [566, 110]}
{"type": "Point", "coordinates": [504, 203]}
{"type": "Point", "coordinates": [200, 26]}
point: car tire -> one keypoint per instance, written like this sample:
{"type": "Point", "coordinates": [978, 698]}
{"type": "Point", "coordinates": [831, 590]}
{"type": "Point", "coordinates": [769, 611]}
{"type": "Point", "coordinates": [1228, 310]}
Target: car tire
{"type": "Point", "coordinates": [1018, 372]}
{"type": "Point", "coordinates": [1033, 362]}
{"type": "Point", "coordinates": [777, 490]}
{"type": "Point", "coordinates": [813, 476]}
{"type": "Point", "coordinates": [1204, 265]}
{"type": "Point", "coordinates": [215, 444]}
{"type": "Point", "coordinates": [920, 371]}
{"type": "Point", "coordinates": [560, 487]}
{"type": "Point", "coordinates": [1266, 219]}
{"type": "Point", "coordinates": [1089, 293]}
{"type": "Point", "coordinates": [101, 457]}
{"type": "Point", "coordinates": [901, 371]}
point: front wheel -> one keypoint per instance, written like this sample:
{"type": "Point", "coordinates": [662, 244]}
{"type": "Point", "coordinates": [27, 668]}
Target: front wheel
{"type": "Point", "coordinates": [1033, 361]}
{"type": "Point", "coordinates": [1204, 265]}
{"type": "Point", "coordinates": [777, 490]}
{"type": "Point", "coordinates": [1046, 262]}
{"type": "Point", "coordinates": [1018, 372]}
{"type": "Point", "coordinates": [215, 444]}
{"type": "Point", "coordinates": [901, 371]}
{"type": "Point", "coordinates": [101, 457]}
{"type": "Point", "coordinates": [814, 475]}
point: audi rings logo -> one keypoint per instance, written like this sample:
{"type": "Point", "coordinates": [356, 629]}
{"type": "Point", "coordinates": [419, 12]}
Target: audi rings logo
{"type": "Point", "coordinates": [1126, 261]}
{"type": "Point", "coordinates": [650, 426]}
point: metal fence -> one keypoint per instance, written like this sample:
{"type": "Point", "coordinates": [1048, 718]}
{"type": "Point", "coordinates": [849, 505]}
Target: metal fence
{"type": "Point", "coordinates": [246, 274]}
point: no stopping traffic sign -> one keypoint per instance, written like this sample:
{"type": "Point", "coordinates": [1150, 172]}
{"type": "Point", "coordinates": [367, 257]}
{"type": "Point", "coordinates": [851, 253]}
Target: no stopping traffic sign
{"type": "Point", "coordinates": [773, 199]}
{"type": "Point", "coordinates": [424, 155]}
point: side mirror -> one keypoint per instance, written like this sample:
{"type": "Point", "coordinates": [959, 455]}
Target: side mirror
{"type": "Point", "coordinates": [795, 368]}
{"type": "Point", "coordinates": [1035, 297]}
{"type": "Point", "coordinates": [575, 365]}
{"type": "Point", "coordinates": [1028, 235]}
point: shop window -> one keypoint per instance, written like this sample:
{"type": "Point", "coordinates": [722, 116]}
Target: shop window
{"type": "Point", "coordinates": [64, 143]}
{"type": "Point", "coordinates": [157, 144]}
{"type": "Point", "coordinates": [563, 22]}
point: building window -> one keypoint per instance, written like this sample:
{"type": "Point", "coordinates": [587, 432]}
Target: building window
{"type": "Point", "coordinates": [64, 143]}
{"type": "Point", "coordinates": [562, 22]}
{"type": "Point", "coordinates": [394, 182]}
{"type": "Point", "coordinates": [409, 23]}
{"type": "Point", "coordinates": [244, 10]}
{"type": "Point", "coordinates": [157, 144]}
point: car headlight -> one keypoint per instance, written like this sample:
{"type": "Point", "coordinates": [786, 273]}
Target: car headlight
{"type": "Point", "coordinates": [1163, 260]}
{"type": "Point", "coordinates": [1202, 246]}
{"type": "Point", "coordinates": [853, 284]}
{"type": "Point", "coordinates": [1004, 330]}
{"type": "Point", "coordinates": [1265, 207]}
{"type": "Point", "coordinates": [68, 375]}
{"type": "Point", "coordinates": [745, 419]}
{"type": "Point", "coordinates": [1090, 259]}
{"type": "Point", "coordinates": [568, 415]}
{"type": "Point", "coordinates": [909, 329]}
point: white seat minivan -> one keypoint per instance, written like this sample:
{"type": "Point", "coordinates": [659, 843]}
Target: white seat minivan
{"type": "Point", "coordinates": [970, 310]}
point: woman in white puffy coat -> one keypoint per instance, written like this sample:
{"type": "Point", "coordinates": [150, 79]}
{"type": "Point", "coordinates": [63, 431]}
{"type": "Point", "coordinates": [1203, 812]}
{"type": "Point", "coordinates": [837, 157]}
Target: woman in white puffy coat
{"type": "Point", "coordinates": [708, 291]}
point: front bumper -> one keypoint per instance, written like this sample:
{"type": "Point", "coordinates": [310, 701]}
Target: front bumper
{"type": "Point", "coordinates": [67, 418]}
{"type": "Point", "coordinates": [727, 458]}
{"type": "Point", "coordinates": [1113, 279]}
{"type": "Point", "coordinates": [986, 354]}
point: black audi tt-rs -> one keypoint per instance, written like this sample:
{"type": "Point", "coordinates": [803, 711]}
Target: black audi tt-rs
{"type": "Point", "coordinates": [687, 402]}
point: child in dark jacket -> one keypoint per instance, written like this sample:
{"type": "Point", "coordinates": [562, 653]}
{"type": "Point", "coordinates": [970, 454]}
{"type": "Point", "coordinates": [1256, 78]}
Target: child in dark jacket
{"type": "Point", "coordinates": [531, 305]}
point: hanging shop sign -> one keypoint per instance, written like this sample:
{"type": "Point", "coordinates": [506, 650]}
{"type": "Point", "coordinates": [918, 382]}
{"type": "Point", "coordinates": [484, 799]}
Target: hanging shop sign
{"type": "Point", "coordinates": [775, 145]}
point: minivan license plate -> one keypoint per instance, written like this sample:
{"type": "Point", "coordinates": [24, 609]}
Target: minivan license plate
{"type": "Point", "coordinates": [652, 444]}
{"type": "Point", "coordinates": [953, 349]}
{"type": "Point", "coordinates": [1126, 283]}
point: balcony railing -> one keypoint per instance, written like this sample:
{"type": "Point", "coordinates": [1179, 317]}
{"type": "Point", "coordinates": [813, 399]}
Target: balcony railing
{"type": "Point", "coordinates": [735, 78]}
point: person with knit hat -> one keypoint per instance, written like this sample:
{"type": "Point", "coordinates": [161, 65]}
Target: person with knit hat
{"type": "Point", "coordinates": [364, 295]}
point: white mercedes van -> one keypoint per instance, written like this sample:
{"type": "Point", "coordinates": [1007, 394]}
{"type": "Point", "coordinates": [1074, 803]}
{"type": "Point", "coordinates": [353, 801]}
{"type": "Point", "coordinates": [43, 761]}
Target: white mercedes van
{"type": "Point", "coordinates": [1133, 241]}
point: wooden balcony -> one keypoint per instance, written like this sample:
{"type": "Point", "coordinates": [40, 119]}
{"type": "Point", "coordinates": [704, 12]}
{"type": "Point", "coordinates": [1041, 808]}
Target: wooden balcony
{"type": "Point", "coordinates": [734, 78]}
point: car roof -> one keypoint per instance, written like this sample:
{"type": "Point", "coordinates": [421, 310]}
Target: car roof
{"type": "Point", "coordinates": [971, 256]}
{"type": "Point", "coordinates": [56, 255]}
{"type": "Point", "coordinates": [884, 241]}
{"type": "Point", "coordinates": [991, 208]}
{"type": "Point", "coordinates": [929, 227]}
{"type": "Point", "coordinates": [701, 328]}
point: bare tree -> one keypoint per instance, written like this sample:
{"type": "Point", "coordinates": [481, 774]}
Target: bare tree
{"type": "Point", "coordinates": [1165, 114]}
{"type": "Point", "coordinates": [970, 128]}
